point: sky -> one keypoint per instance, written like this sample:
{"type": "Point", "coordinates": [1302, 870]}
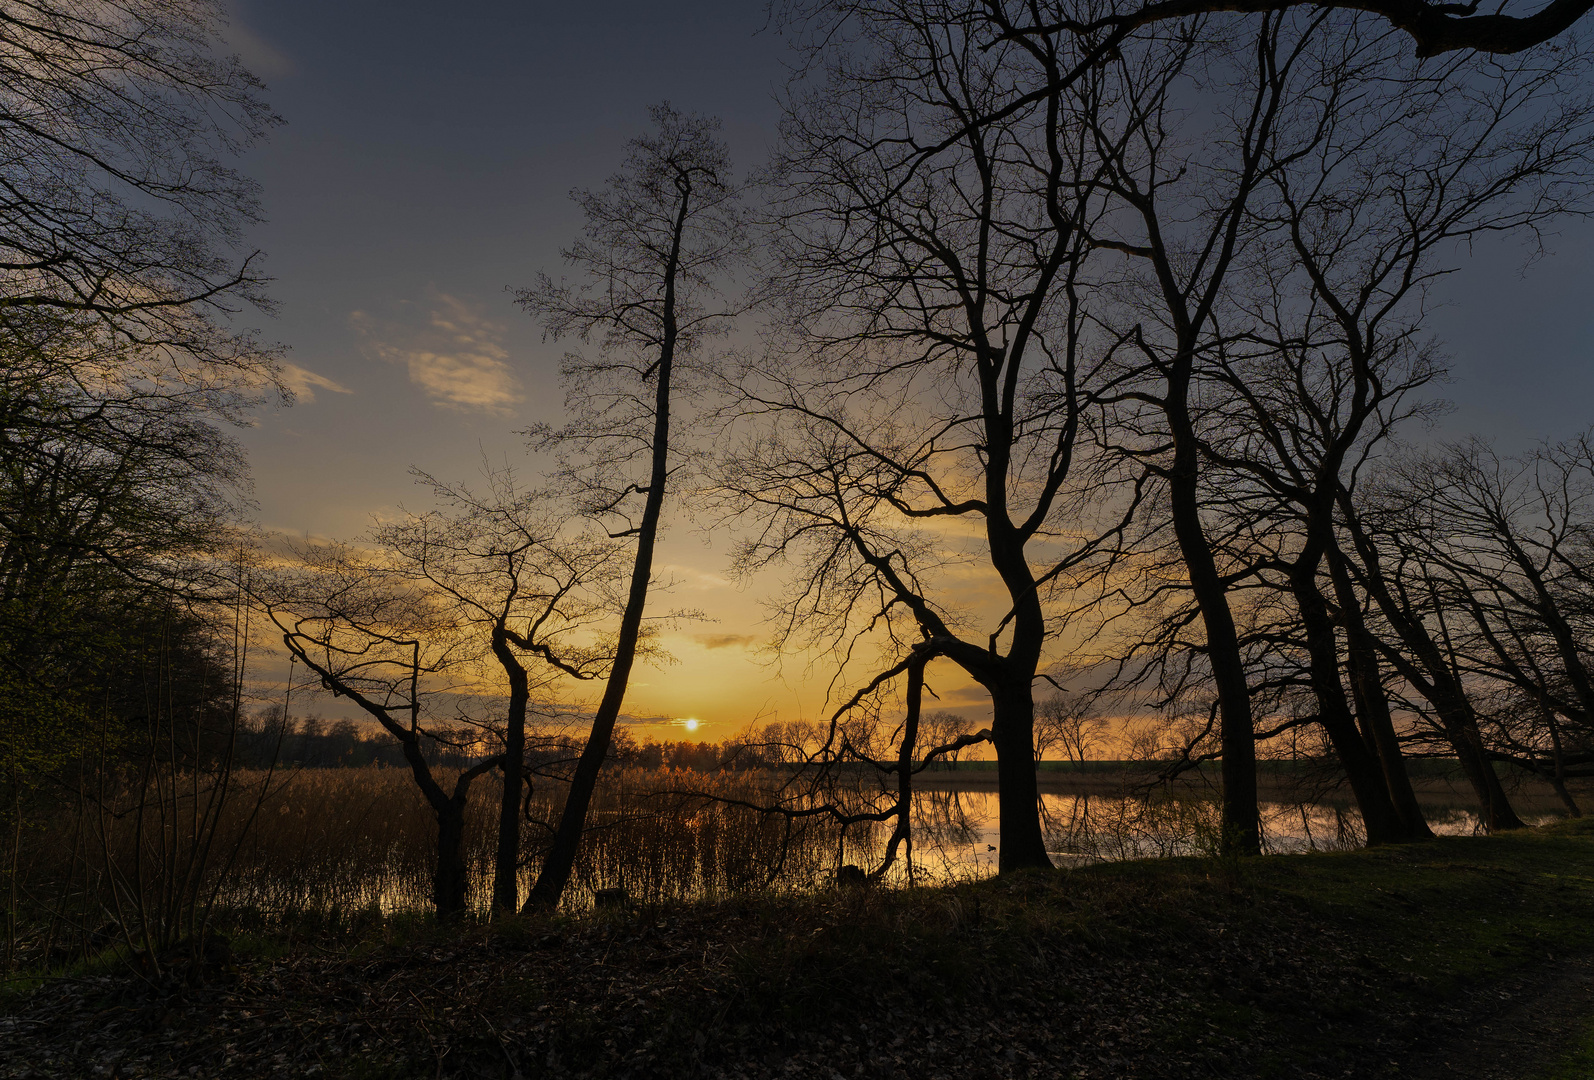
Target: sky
{"type": "Point", "coordinates": [424, 171]}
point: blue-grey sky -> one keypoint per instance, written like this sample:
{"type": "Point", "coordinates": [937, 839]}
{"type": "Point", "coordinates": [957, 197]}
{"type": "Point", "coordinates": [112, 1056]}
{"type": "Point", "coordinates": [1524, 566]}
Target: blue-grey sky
{"type": "Point", "coordinates": [425, 168]}
{"type": "Point", "coordinates": [1521, 338]}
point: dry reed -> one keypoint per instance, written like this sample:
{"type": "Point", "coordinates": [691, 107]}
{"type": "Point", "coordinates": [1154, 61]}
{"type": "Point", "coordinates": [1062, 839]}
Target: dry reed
{"type": "Point", "coordinates": [336, 843]}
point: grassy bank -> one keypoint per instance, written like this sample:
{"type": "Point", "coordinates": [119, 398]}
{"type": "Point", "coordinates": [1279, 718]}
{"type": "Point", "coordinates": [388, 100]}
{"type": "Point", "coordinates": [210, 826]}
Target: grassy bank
{"type": "Point", "coordinates": [1369, 963]}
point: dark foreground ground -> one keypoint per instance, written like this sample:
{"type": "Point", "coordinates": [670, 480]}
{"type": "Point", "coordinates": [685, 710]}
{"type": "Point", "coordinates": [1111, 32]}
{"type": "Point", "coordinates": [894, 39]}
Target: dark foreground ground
{"type": "Point", "coordinates": [1460, 958]}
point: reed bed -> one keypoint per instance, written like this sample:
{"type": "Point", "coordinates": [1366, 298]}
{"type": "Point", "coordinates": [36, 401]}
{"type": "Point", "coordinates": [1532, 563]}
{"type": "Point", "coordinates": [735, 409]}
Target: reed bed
{"type": "Point", "coordinates": [336, 841]}
{"type": "Point", "coordinates": [675, 834]}
{"type": "Point", "coordinates": [339, 844]}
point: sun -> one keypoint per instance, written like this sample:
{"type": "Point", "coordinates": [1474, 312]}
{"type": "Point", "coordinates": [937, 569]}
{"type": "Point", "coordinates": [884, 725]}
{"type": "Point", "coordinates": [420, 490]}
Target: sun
{"type": "Point", "coordinates": [690, 723]}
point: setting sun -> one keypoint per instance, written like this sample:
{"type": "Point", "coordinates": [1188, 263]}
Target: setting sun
{"type": "Point", "coordinates": [690, 723]}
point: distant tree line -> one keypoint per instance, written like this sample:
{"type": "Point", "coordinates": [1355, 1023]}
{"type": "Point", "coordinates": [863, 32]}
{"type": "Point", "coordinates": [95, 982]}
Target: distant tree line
{"type": "Point", "coordinates": [312, 742]}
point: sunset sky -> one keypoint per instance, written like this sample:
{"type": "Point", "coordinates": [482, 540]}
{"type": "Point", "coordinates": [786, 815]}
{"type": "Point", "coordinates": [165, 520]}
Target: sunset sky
{"type": "Point", "coordinates": [424, 171]}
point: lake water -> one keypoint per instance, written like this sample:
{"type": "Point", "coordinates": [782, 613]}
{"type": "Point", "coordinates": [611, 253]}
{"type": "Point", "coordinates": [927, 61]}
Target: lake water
{"type": "Point", "coordinates": [958, 835]}
{"type": "Point", "coordinates": [356, 840]}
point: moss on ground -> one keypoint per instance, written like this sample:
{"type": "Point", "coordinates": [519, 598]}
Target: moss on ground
{"type": "Point", "coordinates": [1575, 1062]}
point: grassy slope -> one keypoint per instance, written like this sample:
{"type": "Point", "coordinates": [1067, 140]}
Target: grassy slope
{"type": "Point", "coordinates": [1356, 964]}
{"type": "Point", "coordinates": [1274, 967]}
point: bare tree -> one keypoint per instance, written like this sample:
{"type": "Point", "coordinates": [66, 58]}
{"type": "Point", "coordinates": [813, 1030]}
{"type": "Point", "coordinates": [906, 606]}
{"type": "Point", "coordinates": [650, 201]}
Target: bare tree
{"type": "Point", "coordinates": [117, 202]}
{"type": "Point", "coordinates": [1432, 28]}
{"type": "Point", "coordinates": [1412, 637]}
{"type": "Point", "coordinates": [1334, 352]}
{"type": "Point", "coordinates": [1065, 721]}
{"type": "Point", "coordinates": [1183, 231]}
{"type": "Point", "coordinates": [382, 642]}
{"type": "Point", "coordinates": [943, 728]}
{"type": "Point", "coordinates": [531, 589]}
{"type": "Point", "coordinates": [1499, 547]}
{"type": "Point", "coordinates": [921, 409]}
{"type": "Point", "coordinates": [659, 240]}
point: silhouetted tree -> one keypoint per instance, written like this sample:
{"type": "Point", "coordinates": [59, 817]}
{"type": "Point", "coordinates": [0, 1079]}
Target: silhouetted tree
{"type": "Point", "coordinates": [393, 650]}
{"type": "Point", "coordinates": [117, 202]}
{"type": "Point", "coordinates": [934, 365]}
{"type": "Point", "coordinates": [1065, 722]}
{"type": "Point", "coordinates": [520, 578]}
{"type": "Point", "coordinates": [1500, 550]}
{"type": "Point", "coordinates": [659, 239]}
{"type": "Point", "coordinates": [1433, 29]}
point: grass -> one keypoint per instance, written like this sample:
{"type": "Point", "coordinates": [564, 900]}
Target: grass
{"type": "Point", "coordinates": [1282, 967]}
{"type": "Point", "coordinates": [1274, 967]}
{"type": "Point", "coordinates": [1577, 1063]}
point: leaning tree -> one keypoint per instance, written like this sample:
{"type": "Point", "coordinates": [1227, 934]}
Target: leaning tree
{"type": "Point", "coordinates": [659, 241]}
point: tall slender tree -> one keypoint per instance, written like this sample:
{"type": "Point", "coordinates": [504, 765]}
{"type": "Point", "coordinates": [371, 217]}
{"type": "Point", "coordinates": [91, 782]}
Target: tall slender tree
{"type": "Point", "coordinates": [660, 240]}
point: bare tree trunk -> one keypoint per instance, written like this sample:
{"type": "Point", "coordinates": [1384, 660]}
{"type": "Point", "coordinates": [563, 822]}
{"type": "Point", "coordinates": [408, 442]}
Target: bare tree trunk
{"type": "Point", "coordinates": [561, 857]}
{"type": "Point", "coordinates": [449, 880]}
{"type": "Point", "coordinates": [1558, 777]}
{"type": "Point", "coordinates": [1241, 818]}
{"type": "Point", "coordinates": [506, 865]}
{"type": "Point", "coordinates": [1462, 730]}
{"type": "Point", "coordinates": [1372, 704]}
{"type": "Point", "coordinates": [1023, 842]}
{"type": "Point", "coordinates": [902, 831]}
{"type": "Point", "coordinates": [1434, 680]}
{"type": "Point", "coordinates": [1379, 816]}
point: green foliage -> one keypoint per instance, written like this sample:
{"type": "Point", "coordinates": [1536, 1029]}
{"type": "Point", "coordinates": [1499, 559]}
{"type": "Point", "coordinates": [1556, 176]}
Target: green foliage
{"type": "Point", "coordinates": [115, 489]}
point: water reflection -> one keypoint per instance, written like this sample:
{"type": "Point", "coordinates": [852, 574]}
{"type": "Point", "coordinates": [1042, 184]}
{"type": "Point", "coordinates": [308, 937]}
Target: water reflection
{"type": "Point", "coordinates": [330, 851]}
{"type": "Point", "coordinates": [957, 833]}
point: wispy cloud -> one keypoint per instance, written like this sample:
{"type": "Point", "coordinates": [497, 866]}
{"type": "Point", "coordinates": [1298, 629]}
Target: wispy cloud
{"type": "Point", "coordinates": [456, 356]}
{"type": "Point", "coordinates": [692, 579]}
{"type": "Point", "coordinates": [258, 54]}
{"type": "Point", "coordinates": [304, 383]}
{"type": "Point", "coordinates": [725, 641]}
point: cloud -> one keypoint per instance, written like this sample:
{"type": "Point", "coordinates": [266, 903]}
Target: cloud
{"type": "Point", "coordinates": [457, 358]}
{"type": "Point", "coordinates": [725, 641]}
{"type": "Point", "coordinates": [258, 54]}
{"type": "Point", "coordinates": [645, 721]}
{"type": "Point", "coordinates": [958, 697]}
{"type": "Point", "coordinates": [303, 381]}
{"type": "Point", "coordinates": [693, 579]}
